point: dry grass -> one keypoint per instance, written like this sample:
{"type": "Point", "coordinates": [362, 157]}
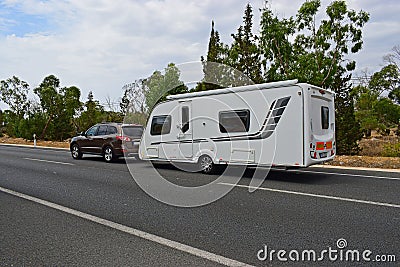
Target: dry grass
{"type": "Point", "coordinates": [374, 146]}
{"type": "Point", "coordinates": [366, 162]}
{"type": "Point", "coordinates": [21, 141]}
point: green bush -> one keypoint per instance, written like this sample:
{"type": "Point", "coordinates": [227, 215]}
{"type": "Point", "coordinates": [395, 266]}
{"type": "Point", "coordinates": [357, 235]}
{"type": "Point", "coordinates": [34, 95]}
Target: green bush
{"type": "Point", "coordinates": [391, 150]}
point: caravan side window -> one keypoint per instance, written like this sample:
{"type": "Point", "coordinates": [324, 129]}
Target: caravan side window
{"type": "Point", "coordinates": [234, 121]}
{"type": "Point", "coordinates": [185, 119]}
{"type": "Point", "coordinates": [325, 117]}
{"type": "Point", "coordinates": [160, 125]}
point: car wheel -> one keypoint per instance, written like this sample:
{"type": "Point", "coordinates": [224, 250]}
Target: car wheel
{"type": "Point", "coordinates": [108, 154]}
{"type": "Point", "coordinates": [206, 164]}
{"type": "Point", "coordinates": [76, 152]}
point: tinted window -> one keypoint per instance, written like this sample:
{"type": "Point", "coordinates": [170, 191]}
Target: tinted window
{"type": "Point", "coordinates": [185, 119]}
{"type": "Point", "coordinates": [102, 130]}
{"type": "Point", "coordinates": [160, 125]}
{"type": "Point", "coordinates": [111, 130]}
{"type": "Point", "coordinates": [234, 121]}
{"type": "Point", "coordinates": [133, 131]}
{"type": "Point", "coordinates": [325, 117]}
{"type": "Point", "coordinates": [92, 131]}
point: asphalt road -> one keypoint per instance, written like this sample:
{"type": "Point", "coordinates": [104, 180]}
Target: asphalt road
{"type": "Point", "coordinates": [90, 213]}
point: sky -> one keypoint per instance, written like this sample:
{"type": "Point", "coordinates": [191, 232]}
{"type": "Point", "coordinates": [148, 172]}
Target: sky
{"type": "Point", "coordinates": [101, 45]}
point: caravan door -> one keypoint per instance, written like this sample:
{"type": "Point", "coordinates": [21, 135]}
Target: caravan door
{"type": "Point", "coordinates": [185, 135]}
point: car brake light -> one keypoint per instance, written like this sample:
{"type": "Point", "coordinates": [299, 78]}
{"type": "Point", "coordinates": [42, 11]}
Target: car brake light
{"type": "Point", "coordinates": [123, 138]}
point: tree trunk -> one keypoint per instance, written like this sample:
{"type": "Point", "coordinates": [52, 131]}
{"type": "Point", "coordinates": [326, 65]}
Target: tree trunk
{"type": "Point", "coordinates": [45, 128]}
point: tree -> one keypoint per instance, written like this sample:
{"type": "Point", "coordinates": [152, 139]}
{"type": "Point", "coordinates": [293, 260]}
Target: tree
{"type": "Point", "coordinates": [14, 93]}
{"type": "Point", "coordinates": [374, 109]}
{"type": "Point", "coordinates": [50, 100]}
{"type": "Point", "coordinates": [59, 106]}
{"type": "Point", "coordinates": [347, 128]}
{"type": "Point", "coordinates": [388, 113]}
{"type": "Point", "coordinates": [112, 114]}
{"type": "Point", "coordinates": [159, 86]}
{"type": "Point", "coordinates": [244, 54]}
{"type": "Point", "coordinates": [133, 103]}
{"type": "Point", "coordinates": [275, 45]}
{"type": "Point", "coordinates": [394, 57]}
{"type": "Point", "coordinates": [33, 123]}
{"type": "Point", "coordinates": [365, 100]}
{"type": "Point", "coordinates": [213, 65]}
{"type": "Point", "coordinates": [237, 65]}
{"type": "Point", "coordinates": [91, 113]}
{"type": "Point", "coordinates": [10, 123]}
{"type": "Point", "coordinates": [387, 79]}
{"type": "Point", "coordinates": [124, 104]}
{"type": "Point", "coordinates": [315, 52]}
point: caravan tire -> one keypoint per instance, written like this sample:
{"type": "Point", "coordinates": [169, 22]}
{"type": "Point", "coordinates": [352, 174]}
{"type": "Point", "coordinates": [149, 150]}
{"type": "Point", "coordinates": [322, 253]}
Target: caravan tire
{"type": "Point", "coordinates": [206, 164]}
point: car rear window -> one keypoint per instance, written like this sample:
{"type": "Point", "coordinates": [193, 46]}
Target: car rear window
{"type": "Point", "coordinates": [102, 130]}
{"type": "Point", "coordinates": [133, 131]}
{"type": "Point", "coordinates": [111, 130]}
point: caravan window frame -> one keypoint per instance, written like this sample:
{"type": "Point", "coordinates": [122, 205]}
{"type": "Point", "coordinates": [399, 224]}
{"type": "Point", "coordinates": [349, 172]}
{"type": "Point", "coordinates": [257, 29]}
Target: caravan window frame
{"type": "Point", "coordinates": [228, 113]}
{"type": "Point", "coordinates": [185, 119]}
{"type": "Point", "coordinates": [165, 128]}
{"type": "Point", "coordinates": [324, 117]}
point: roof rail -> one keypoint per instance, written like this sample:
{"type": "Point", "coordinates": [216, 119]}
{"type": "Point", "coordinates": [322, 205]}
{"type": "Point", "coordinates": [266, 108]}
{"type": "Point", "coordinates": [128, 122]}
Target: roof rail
{"type": "Point", "coordinates": [234, 89]}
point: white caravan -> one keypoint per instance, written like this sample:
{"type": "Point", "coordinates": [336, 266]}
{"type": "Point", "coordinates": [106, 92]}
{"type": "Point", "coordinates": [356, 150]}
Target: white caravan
{"type": "Point", "coordinates": [283, 123]}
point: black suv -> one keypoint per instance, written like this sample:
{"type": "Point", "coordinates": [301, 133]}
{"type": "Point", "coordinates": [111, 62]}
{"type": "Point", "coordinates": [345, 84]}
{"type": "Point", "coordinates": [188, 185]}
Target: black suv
{"type": "Point", "coordinates": [110, 140]}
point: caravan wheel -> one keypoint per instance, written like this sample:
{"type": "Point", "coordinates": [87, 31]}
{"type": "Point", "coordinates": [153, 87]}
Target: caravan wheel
{"type": "Point", "coordinates": [206, 164]}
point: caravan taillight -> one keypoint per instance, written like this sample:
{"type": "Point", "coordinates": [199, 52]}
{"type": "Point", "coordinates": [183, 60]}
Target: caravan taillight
{"type": "Point", "coordinates": [329, 145]}
{"type": "Point", "coordinates": [320, 146]}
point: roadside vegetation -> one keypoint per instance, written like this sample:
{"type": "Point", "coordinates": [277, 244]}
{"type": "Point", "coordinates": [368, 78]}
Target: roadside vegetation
{"type": "Point", "coordinates": [316, 51]}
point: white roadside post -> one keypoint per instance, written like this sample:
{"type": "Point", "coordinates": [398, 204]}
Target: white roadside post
{"type": "Point", "coordinates": [34, 140]}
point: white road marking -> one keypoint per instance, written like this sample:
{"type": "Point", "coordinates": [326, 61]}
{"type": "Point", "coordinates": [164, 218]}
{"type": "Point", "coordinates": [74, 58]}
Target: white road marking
{"type": "Point", "coordinates": [50, 161]}
{"type": "Point", "coordinates": [324, 166]}
{"type": "Point", "coordinates": [151, 237]}
{"type": "Point", "coordinates": [348, 174]}
{"type": "Point", "coordinates": [317, 195]}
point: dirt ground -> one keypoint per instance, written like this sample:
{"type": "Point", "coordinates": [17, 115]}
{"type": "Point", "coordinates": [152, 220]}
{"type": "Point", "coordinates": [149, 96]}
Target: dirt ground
{"type": "Point", "coordinates": [366, 162]}
{"type": "Point", "coordinates": [367, 158]}
{"type": "Point", "coordinates": [20, 141]}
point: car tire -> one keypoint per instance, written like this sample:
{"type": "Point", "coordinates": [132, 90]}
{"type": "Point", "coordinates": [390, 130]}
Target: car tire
{"type": "Point", "coordinates": [206, 164]}
{"type": "Point", "coordinates": [108, 154]}
{"type": "Point", "coordinates": [76, 151]}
